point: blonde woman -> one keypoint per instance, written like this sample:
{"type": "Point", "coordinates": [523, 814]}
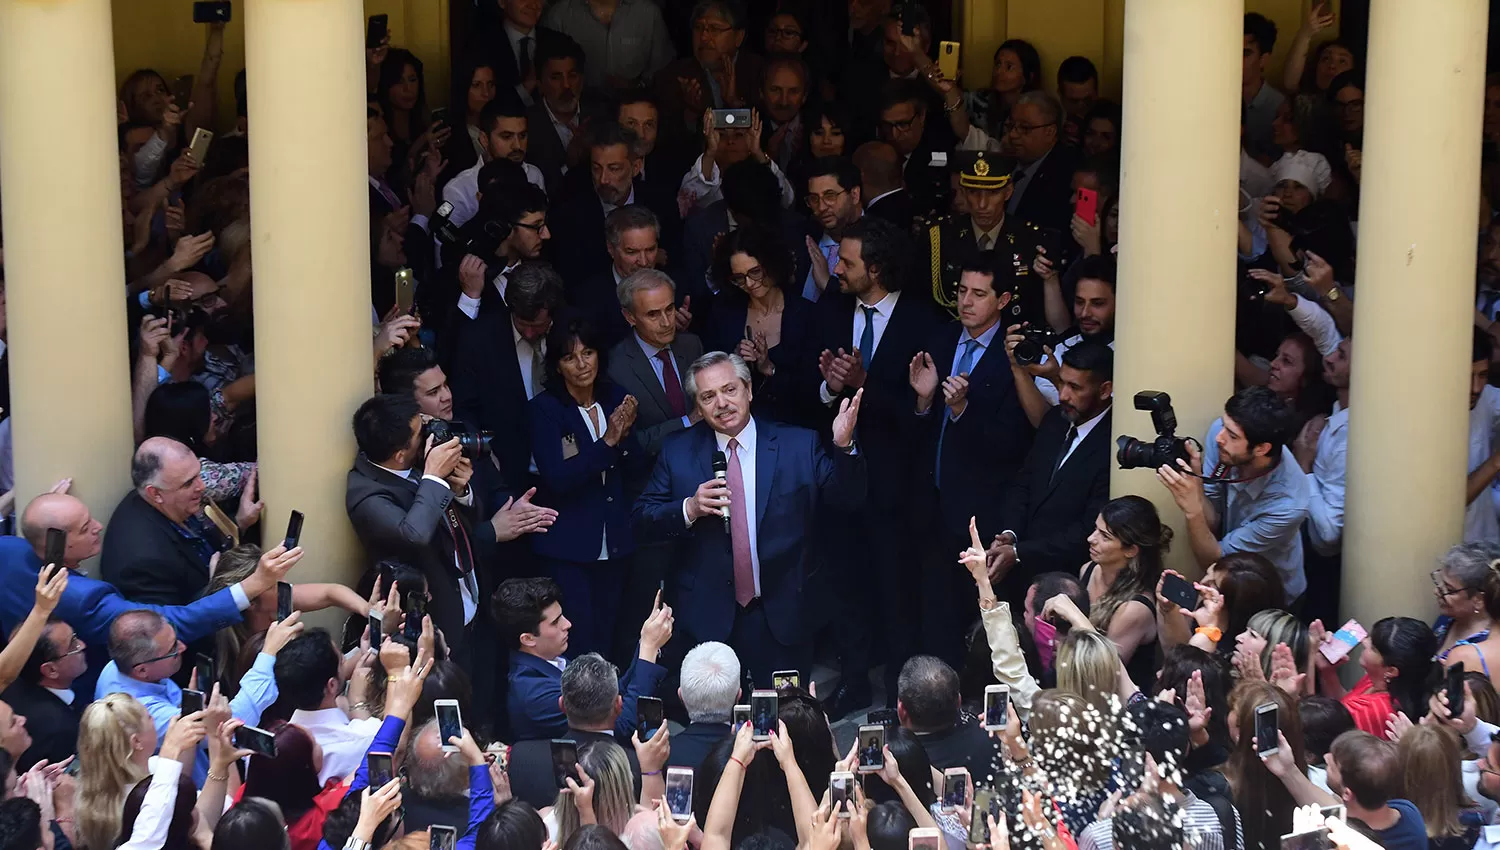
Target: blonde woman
{"type": "Point", "coordinates": [603, 794]}
{"type": "Point", "coordinates": [1430, 767]}
{"type": "Point", "coordinates": [116, 738]}
{"type": "Point", "coordinates": [1089, 667]}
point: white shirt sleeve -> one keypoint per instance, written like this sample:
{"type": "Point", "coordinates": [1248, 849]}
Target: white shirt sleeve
{"type": "Point", "coordinates": [150, 830]}
{"type": "Point", "coordinates": [703, 191]}
{"type": "Point", "coordinates": [469, 306]}
{"type": "Point", "coordinates": [786, 187]}
{"type": "Point", "coordinates": [1316, 323]}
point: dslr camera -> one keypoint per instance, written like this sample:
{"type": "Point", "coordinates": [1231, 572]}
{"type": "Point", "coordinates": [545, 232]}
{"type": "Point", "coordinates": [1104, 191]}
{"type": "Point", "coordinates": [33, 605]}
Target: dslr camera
{"type": "Point", "coordinates": [474, 444]}
{"type": "Point", "coordinates": [478, 236]}
{"type": "Point", "coordinates": [1028, 352]}
{"type": "Point", "coordinates": [1162, 451]}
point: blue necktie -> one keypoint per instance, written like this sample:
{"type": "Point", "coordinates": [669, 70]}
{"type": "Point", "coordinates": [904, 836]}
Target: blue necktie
{"type": "Point", "coordinates": [867, 338]}
{"type": "Point", "coordinates": [965, 366]}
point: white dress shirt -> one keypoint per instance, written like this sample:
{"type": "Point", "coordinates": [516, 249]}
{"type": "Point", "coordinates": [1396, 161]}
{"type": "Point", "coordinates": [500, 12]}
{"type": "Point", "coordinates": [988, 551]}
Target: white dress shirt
{"type": "Point", "coordinates": [1325, 504]}
{"type": "Point", "coordinates": [524, 352]}
{"type": "Point", "coordinates": [64, 694]}
{"type": "Point", "coordinates": [609, 208]}
{"type": "Point", "coordinates": [744, 501]}
{"type": "Point", "coordinates": [706, 192]}
{"type": "Point", "coordinates": [344, 741]}
{"type": "Point", "coordinates": [882, 318]}
{"type": "Point", "coordinates": [1083, 431]}
{"type": "Point", "coordinates": [597, 433]}
{"type": "Point", "coordinates": [470, 306]}
{"type": "Point", "coordinates": [564, 131]}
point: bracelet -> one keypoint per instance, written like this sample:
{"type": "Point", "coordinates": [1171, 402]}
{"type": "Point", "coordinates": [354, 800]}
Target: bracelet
{"type": "Point", "coordinates": [223, 777]}
{"type": "Point", "coordinates": [954, 107]}
{"type": "Point", "coordinates": [657, 772]}
{"type": "Point", "coordinates": [1213, 633]}
{"type": "Point", "coordinates": [738, 762]}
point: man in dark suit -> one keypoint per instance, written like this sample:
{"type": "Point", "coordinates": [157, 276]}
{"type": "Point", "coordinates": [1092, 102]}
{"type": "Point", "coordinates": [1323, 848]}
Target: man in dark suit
{"type": "Point", "coordinates": [835, 195]}
{"type": "Point", "coordinates": [637, 112]}
{"type": "Point", "coordinates": [709, 687]}
{"type": "Point", "coordinates": [927, 703]}
{"type": "Point", "coordinates": [1043, 180]}
{"type": "Point", "coordinates": [745, 538]}
{"type": "Point", "coordinates": [44, 695]}
{"type": "Point", "coordinates": [632, 240]}
{"type": "Point", "coordinates": [974, 440]}
{"type": "Point", "coordinates": [510, 44]}
{"type": "Point", "coordinates": [554, 120]}
{"type": "Point", "coordinates": [916, 129]}
{"type": "Point", "coordinates": [1050, 508]}
{"type": "Point", "coordinates": [720, 74]}
{"type": "Point", "coordinates": [869, 332]}
{"type": "Point", "coordinates": [388, 209]}
{"type": "Point", "coordinates": [883, 187]}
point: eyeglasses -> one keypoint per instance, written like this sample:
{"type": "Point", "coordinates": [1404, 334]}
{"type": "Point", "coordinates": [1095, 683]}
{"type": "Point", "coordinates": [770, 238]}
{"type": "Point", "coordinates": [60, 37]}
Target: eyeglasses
{"type": "Point", "coordinates": [710, 29]}
{"type": "Point", "coordinates": [784, 32]}
{"type": "Point", "coordinates": [756, 273]}
{"type": "Point", "coordinates": [1012, 127]}
{"type": "Point", "coordinates": [1442, 590]}
{"type": "Point", "coordinates": [534, 228]}
{"type": "Point", "coordinates": [898, 126]}
{"type": "Point", "coordinates": [827, 199]}
{"type": "Point", "coordinates": [1351, 105]}
{"type": "Point", "coordinates": [176, 651]}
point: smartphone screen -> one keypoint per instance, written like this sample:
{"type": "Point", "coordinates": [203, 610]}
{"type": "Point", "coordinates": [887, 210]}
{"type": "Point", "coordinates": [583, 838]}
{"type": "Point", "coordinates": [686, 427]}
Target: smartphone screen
{"type": "Point", "coordinates": [741, 716]}
{"type": "Point", "coordinates": [1343, 641]}
{"type": "Point", "coordinates": [378, 766]}
{"type": "Point", "coordinates": [1266, 726]}
{"type": "Point", "coordinates": [763, 708]}
{"type": "Point", "coordinates": [648, 713]}
{"type": "Point", "coordinates": [375, 636]}
{"type": "Point", "coordinates": [955, 788]}
{"type": "Point", "coordinates": [293, 530]}
{"type": "Point", "coordinates": [258, 741]}
{"type": "Point", "coordinates": [840, 790]}
{"type": "Point", "coordinates": [680, 793]}
{"type": "Point", "coordinates": [192, 701]}
{"type": "Point", "coordinates": [1456, 689]}
{"type": "Point", "coordinates": [441, 837]}
{"type": "Point", "coordinates": [1180, 592]}
{"type": "Point", "coordinates": [205, 668]}
{"type": "Point", "coordinates": [283, 600]}
{"type": "Point", "coordinates": [415, 606]}
{"type": "Point", "coordinates": [450, 723]}
{"type": "Point", "coordinates": [979, 827]}
{"type": "Point", "coordinates": [564, 762]}
{"type": "Point", "coordinates": [996, 705]}
{"type": "Point", "coordinates": [57, 547]}
{"type": "Point", "coordinates": [871, 749]}
{"type": "Point", "coordinates": [786, 679]}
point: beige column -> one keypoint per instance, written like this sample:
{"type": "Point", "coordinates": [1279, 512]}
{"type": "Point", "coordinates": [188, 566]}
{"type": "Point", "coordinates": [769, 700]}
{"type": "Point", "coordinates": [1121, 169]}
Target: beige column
{"type": "Point", "coordinates": [1408, 422]}
{"type": "Point", "coordinates": [65, 276]}
{"type": "Point", "coordinates": [1178, 218]}
{"type": "Point", "coordinates": [311, 253]}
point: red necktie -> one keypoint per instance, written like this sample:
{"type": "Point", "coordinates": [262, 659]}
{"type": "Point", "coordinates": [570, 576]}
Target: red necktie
{"type": "Point", "coordinates": [675, 399]}
{"type": "Point", "coordinates": [739, 531]}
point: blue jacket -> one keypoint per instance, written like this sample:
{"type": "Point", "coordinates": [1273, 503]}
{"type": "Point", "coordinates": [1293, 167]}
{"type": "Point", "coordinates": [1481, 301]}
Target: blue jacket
{"type": "Point", "coordinates": [90, 606]}
{"type": "Point", "coordinates": [536, 687]}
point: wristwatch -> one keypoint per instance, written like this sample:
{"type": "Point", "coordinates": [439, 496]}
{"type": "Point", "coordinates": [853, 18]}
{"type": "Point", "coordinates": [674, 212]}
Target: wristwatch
{"type": "Point", "coordinates": [1333, 294]}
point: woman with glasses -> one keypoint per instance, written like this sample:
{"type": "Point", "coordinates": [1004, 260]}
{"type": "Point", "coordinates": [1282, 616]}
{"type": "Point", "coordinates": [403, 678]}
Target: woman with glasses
{"type": "Point", "coordinates": [1467, 586]}
{"type": "Point", "coordinates": [768, 326]}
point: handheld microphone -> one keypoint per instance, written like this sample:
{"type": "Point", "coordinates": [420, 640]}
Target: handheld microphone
{"type": "Point", "coordinates": [721, 471]}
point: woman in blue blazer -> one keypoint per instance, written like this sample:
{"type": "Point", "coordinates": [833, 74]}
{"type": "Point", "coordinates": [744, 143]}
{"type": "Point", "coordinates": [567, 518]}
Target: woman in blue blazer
{"type": "Point", "coordinates": [580, 439]}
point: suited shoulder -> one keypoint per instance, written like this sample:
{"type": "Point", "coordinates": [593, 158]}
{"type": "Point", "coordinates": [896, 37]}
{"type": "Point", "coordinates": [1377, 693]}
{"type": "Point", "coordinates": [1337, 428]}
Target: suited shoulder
{"type": "Point", "coordinates": [675, 440]}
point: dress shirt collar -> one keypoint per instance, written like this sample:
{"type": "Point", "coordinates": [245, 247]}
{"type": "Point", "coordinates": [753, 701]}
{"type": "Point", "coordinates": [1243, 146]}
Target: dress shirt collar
{"type": "Point", "coordinates": [872, 201]}
{"type": "Point", "coordinates": [515, 35]}
{"type": "Point", "coordinates": [609, 208]}
{"type": "Point", "coordinates": [64, 694]}
{"type": "Point", "coordinates": [1257, 486]}
{"type": "Point", "coordinates": [745, 438]}
{"type": "Point", "coordinates": [1031, 167]}
{"type": "Point", "coordinates": [646, 346]}
{"type": "Point", "coordinates": [885, 306]}
{"type": "Point", "coordinates": [322, 718]}
{"type": "Point", "coordinates": [984, 339]}
{"type": "Point", "coordinates": [399, 473]}
{"type": "Point", "coordinates": [552, 116]}
{"type": "Point", "coordinates": [993, 234]}
{"type": "Point", "coordinates": [1085, 427]}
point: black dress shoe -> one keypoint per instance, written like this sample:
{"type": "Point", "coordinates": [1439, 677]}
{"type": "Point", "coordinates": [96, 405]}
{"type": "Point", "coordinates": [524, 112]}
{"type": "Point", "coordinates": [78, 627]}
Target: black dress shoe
{"type": "Point", "coordinates": [850, 697]}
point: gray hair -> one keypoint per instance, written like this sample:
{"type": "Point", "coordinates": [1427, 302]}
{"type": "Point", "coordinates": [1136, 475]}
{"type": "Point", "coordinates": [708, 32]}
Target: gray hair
{"type": "Point", "coordinates": [433, 777]}
{"type": "Point", "coordinates": [1052, 111]}
{"type": "Point", "coordinates": [132, 638]}
{"type": "Point", "coordinates": [629, 217]}
{"type": "Point", "coordinates": [710, 682]}
{"type": "Point", "coordinates": [928, 689]}
{"type": "Point", "coordinates": [1470, 564]}
{"type": "Point", "coordinates": [709, 360]}
{"type": "Point", "coordinates": [590, 686]}
{"type": "Point", "coordinates": [642, 281]}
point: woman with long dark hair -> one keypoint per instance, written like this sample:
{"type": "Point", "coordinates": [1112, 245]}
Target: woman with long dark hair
{"type": "Point", "coordinates": [1236, 587]}
{"type": "Point", "coordinates": [402, 93]}
{"type": "Point", "coordinates": [1125, 563]}
{"type": "Point", "coordinates": [1017, 70]}
{"type": "Point", "coordinates": [1399, 674]}
{"type": "Point", "coordinates": [473, 88]}
{"type": "Point", "coordinates": [290, 780]}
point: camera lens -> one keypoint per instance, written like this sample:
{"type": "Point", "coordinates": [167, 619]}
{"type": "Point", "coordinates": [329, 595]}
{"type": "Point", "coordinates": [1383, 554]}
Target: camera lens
{"type": "Point", "coordinates": [1027, 353]}
{"type": "Point", "coordinates": [1134, 454]}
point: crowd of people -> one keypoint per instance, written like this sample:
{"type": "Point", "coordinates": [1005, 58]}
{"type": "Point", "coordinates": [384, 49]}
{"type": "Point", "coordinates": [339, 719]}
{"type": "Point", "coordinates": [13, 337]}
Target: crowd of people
{"type": "Point", "coordinates": [710, 341]}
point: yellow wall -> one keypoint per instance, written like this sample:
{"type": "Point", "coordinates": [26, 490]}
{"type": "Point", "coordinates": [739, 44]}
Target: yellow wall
{"type": "Point", "coordinates": [160, 34]}
{"type": "Point", "coordinates": [1093, 28]}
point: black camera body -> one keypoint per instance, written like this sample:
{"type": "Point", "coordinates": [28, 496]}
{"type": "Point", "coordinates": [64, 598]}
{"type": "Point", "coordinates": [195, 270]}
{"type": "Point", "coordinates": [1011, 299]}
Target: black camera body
{"type": "Point", "coordinates": [1166, 449]}
{"type": "Point", "coordinates": [1028, 352]}
{"type": "Point", "coordinates": [478, 236]}
{"type": "Point", "coordinates": [474, 443]}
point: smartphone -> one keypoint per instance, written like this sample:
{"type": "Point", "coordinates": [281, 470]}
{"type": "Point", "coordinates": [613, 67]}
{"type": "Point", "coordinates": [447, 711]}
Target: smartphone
{"type": "Point", "coordinates": [415, 607]}
{"type": "Point", "coordinates": [1338, 647]}
{"type": "Point", "coordinates": [996, 703]}
{"type": "Point", "coordinates": [1046, 642]}
{"type": "Point", "coordinates": [1315, 839]}
{"type": "Point", "coordinates": [375, 31]}
{"type": "Point", "coordinates": [1266, 729]}
{"type": "Point", "coordinates": [440, 115]}
{"type": "Point", "coordinates": [741, 716]}
{"type": "Point", "coordinates": [564, 762]}
{"type": "Point", "coordinates": [884, 716]}
{"type": "Point", "coordinates": [947, 60]}
{"type": "Point", "coordinates": [441, 837]}
{"type": "Point", "coordinates": [1086, 205]}
{"type": "Point", "coordinates": [785, 678]}
{"type": "Point", "coordinates": [924, 839]}
{"type": "Point", "coordinates": [871, 749]}
{"type": "Point", "coordinates": [731, 119]}
{"type": "Point", "coordinates": [955, 788]}
{"type": "Point", "coordinates": [380, 769]}
{"type": "Point", "coordinates": [375, 636]}
{"type": "Point", "coordinates": [57, 547]}
{"type": "Point", "coordinates": [406, 288]}
{"type": "Point", "coordinates": [283, 600]}
{"type": "Point", "coordinates": [648, 717]}
{"type": "Point", "coordinates": [293, 531]}
{"type": "Point", "coordinates": [979, 827]}
{"type": "Point", "coordinates": [1179, 591]}
{"type": "Point", "coordinates": [1456, 690]}
{"type": "Point", "coordinates": [211, 13]}
{"type": "Point", "coordinates": [680, 793]}
{"type": "Point", "coordinates": [182, 91]}
{"type": "Point", "coordinates": [840, 790]}
{"type": "Point", "coordinates": [191, 701]}
{"type": "Point", "coordinates": [258, 741]}
{"type": "Point", "coordinates": [763, 708]}
{"type": "Point", "coordinates": [1335, 812]}
{"type": "Point", "coordinates": [199, 146]}
{"type": "Point", "coordinates": [450, 722]}
{"type": "Point", "coordinates": [73, 767]}
{"type": "Point", "coordinates": [205, 667]}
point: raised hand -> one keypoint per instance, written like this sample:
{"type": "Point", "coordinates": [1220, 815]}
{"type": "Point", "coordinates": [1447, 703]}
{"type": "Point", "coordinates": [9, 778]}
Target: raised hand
{"type": "Point", "coordinates": [471, 272]}
{"type": "Point", "coordinates": [250, 507]}
{"type": "Point", "coordinates": [49, 591]}
{"type": "Point", "coordinates": [922, 374]}
{"type": "Point", "coordinates": [657, 630]}
{"type": "Point", "coordinates": [843, 424]}
{"type": "Point", "coordinates": [683, 316]}
{"type": "Point", "coordinates": [1284, 673]}
{"type": "Point", "coordinates": [819, 262]}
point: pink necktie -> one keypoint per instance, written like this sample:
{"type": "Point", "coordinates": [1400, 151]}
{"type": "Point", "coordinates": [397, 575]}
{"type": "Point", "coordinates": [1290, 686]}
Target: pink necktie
{"type": "Point", "coordinates": [739, 531]}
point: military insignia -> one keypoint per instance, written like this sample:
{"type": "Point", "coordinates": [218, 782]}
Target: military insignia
{"type": "Point", "coordinates": [981, 168]}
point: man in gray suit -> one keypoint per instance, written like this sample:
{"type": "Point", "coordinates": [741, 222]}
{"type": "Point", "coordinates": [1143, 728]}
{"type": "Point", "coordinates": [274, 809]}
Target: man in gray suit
{"type": "Point", "coordinates": [649, 364]}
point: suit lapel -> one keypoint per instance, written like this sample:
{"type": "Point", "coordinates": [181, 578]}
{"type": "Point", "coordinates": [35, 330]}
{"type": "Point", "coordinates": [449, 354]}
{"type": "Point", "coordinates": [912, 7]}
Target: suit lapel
{"type": "Point", "coordinates": [375, 473]}
{"type": "Point", "coordinates": [640, 366]}
{"type": "Point", "coordinates": [1083, 453]}
{"type": "Point", "coordinates": [765, 470]}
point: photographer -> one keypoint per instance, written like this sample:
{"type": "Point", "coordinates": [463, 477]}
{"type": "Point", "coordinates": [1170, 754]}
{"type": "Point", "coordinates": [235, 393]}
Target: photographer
{"type": "Point", "coordinates": [1038, 382]}
{"type": "Point", "coordinates": [1261, 506]}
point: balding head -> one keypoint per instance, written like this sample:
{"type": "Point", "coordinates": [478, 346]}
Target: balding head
{"type": "Point", "coordinates": [879, 168]}
{"type": "Point", "coordinates": [166, 475]}
{"type": "Point", "coordinates": [56, 510]}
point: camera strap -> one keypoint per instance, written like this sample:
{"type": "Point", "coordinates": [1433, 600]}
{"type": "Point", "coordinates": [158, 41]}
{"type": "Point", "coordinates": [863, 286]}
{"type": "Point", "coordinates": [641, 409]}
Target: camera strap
{"type": "Point", "coordinates": [1222, 469]}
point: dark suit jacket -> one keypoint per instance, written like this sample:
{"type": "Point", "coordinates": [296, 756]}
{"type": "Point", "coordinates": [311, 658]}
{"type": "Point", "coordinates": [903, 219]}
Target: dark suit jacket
{"type": "Point", "coordinates": [693, 261]}
{"type": "Point", "coordinates": [692, 744]}
{"type": "Point", "coordinates": [52, 723]}
{"type": "Point", "coordinates": [403, 519]}
{"type": "Point", "coordinates": [487, 386]}
{"type": "Point", "coordinates": [578, 227]}
{"type": "Point", "coordinates": [793, 477]}
{"type": "Point", "coordinates": [679, 134]}
{"type": "Point", "coordinates": [896, 208]}
{"type": "Point", "coordinates": [983, 448]}
{"type": "Point", "coordinates": [545, 150]}
{"type": "Point", "coordinates": [1048, 200]}
{"type": "Point", "coordinates": [1053, 516]}
{"type": "Point", "coordinates": [631, 371]}
{"type": "Point", "coordinates": [963, 745]}
{"type": "Point", "coordinates": [147, 559]}
{"type": "Point", "coordinates": [530, 767]}
{"type": "Point", "coordinates": [417, 246]}
{"type": "Point", "coordinates": [489, 42]}
{"type": "Point", "coordinates": [536, 686]}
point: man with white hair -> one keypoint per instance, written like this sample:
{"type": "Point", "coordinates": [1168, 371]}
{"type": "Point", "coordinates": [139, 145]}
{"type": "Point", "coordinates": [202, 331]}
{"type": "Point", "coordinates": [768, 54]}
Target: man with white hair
{"type": "Point", "coordinates": [709, 687]}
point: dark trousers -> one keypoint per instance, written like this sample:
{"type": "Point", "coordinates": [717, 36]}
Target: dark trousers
{"type": "Point", "coordinates": [880, 582]}
{"type": "Point", "coordinates": [1324, 582]}
{"type": "Point", "coordinates": [591, 593]}
{"type": "Point", "coordinates": [760, 653]}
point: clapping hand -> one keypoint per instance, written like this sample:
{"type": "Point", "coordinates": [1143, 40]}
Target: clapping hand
{"type": "Point", "coordinates": [519, 516]}
{"type": "Point", "coordinates": [620, 421]}
{"type": "Point", "coordinates": [843, 423]}
{"type": "Point", "coordinates": [923, 377]}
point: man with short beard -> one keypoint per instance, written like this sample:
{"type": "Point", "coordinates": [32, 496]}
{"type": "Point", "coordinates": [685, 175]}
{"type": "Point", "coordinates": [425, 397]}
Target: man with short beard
{"type": "Point", "coordinates": [834, 197]}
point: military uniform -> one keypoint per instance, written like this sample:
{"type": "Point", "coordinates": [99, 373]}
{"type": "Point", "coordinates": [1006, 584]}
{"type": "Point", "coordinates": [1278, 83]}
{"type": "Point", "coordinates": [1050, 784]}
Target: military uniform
{"type": "Point", "coordinates": [951, 239]}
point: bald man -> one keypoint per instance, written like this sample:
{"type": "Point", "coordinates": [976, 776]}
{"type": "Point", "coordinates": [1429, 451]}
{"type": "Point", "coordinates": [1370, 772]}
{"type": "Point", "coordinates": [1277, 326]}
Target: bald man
{"type": "Point", "coordinates": [89, 605]}
{"type": "Point", "coordinates": [159, 543]}
{"type": "Point", "coordinates": [883, 185]}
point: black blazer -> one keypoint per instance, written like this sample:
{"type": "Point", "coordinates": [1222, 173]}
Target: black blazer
{"type": "Point", "coordinates": [578, 228]}
{"type": "Point", "coordinates": [399, 518]}
{"type": "Point", "coordinates": [630, 370]}
{"type": "Point", "coordinates": [52, 723]}
{"type": "Point", "coordinates": [487, 386]}
{"type": "Point", "coordinates": [530, 767]}
{"type": "Point", "coordinates": [545, 149]}
{"type": "Point", "coordinates": [1053, 516]}
{"type": "Point", "coordinates": [896, 208]}
{"type": "Point", "coordinates": [983, 448]}
{"type": "Point", "coordinates": [489, 43]}
{"type": "Point", "coordinates": [147, 559]}
{"type": "Point", "coordinates": [1048, 200]}
{"type": "Point", "coordinates": [963, 745]}
{"type": "Point", "coordinates": [692, 744]}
